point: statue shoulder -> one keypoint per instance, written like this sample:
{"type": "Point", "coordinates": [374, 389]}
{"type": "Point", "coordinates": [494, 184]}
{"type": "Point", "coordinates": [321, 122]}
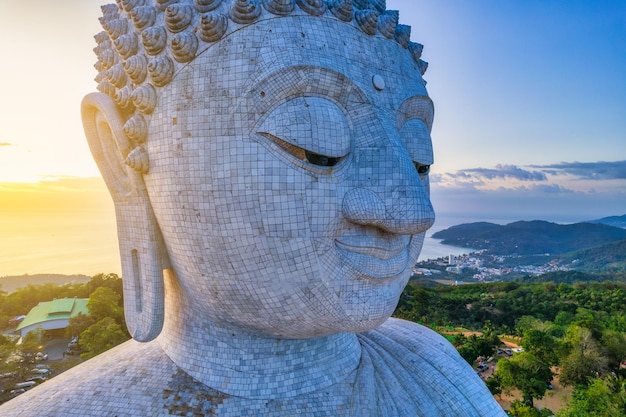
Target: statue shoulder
{"type": "Point", "coordinates": [122, 381]}
{"type": "Point", "coordinates": [421, 372]}
{"type": "Point", "coordinates": [416, 338]}
{"type": "Point", "coordinates": [405, 370]}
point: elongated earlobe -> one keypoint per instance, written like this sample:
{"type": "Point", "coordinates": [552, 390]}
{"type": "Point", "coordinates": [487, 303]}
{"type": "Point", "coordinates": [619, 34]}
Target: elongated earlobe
{"type": "Point", "coordinates": [142, 248]}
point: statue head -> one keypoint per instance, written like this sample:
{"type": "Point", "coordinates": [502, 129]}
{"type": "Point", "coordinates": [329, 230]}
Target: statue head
{"type": "Point", "coordinates": [273, 153]}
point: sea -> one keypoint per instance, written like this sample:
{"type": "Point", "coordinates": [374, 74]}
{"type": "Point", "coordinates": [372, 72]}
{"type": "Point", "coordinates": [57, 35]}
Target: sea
{"type": "Point", "coordinates": [85, 242]}
{"type": "Point", "coordinates": [434, 249]}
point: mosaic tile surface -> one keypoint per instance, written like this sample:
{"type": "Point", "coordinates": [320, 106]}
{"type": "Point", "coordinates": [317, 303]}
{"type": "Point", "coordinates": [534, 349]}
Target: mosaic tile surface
{"type": "Point", "coordinates": [404, 370]}
{"type": "Point", "coordinates": [272, 158]}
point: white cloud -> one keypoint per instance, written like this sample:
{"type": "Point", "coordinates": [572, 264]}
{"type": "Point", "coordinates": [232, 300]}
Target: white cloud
{"type": "Point", "coordinates": [560, 192]}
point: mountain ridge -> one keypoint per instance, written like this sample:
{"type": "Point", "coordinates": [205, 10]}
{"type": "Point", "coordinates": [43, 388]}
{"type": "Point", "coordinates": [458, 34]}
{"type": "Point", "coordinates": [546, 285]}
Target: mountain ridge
{"type": "Point", "coordinates": [11, 283]}
{"type": "Point", "coordinates": [530, 237]}
{"type": "Point", "coordinates": [615, 221]}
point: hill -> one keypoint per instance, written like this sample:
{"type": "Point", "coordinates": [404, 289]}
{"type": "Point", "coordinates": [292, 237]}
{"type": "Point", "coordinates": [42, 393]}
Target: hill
{"type": "Point", "coordinates": [530, 237]}
{"type": "Point", "coordinates": [12, 283]}
{"type": "Point", "coordinates": [605, 258]}
{"type": "Point", "coordinates": [615, 221]}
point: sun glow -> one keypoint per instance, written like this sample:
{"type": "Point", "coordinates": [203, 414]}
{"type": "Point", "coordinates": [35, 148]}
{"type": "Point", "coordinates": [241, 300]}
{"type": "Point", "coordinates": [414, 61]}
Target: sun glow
{"type": "Point", "coordinates": [66, 225]}
{"type": "Point", "coordinates": [43, 81]}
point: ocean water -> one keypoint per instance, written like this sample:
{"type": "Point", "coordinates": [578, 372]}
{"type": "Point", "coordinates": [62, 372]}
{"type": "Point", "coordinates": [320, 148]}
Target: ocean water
{"type": "Point", "coordinates": [433, 248]}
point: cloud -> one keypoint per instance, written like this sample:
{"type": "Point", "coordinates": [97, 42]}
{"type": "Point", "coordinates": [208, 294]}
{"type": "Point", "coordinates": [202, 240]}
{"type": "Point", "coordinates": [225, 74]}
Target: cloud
{"type": "Point", "coordinates": [499, 177]}
{"type": "Point", "coordinates": [567, 189]}
{"type": "Point", "coordinates": [536, 189]}
{"type": "Point", "coordinates": [509, 171]}
{"type": "Point", "coordinates": [456, 179]}
{"type": "Point", "coordinates": [500, 172]}
{"type": "Point", "coordinates": [587, 170]}
{"type": "Point", "coordinates": [529, 201]}
{"type": "Point", "coordinates": [551, 189]}
{"type": "Point", "coordinates": [561, 177]}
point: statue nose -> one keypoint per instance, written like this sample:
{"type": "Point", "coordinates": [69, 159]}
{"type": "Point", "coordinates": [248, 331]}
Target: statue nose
{"type": "Point", "coordinates": [385, 191]}
{"type": "Point", "coordinates": [404, 211]}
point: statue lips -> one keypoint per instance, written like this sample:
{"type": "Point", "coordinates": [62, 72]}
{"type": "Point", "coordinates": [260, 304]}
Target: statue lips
{"type": "Point", "coordinates": [378, 258]}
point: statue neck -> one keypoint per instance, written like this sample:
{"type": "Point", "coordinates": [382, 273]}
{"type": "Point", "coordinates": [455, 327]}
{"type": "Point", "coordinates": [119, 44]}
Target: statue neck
{"type": "Point", "coordinates": [245, 363]}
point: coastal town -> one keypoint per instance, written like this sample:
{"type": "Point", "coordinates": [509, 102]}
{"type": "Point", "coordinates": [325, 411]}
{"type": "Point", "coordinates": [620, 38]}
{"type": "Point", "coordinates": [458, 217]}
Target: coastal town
{"type": "Point", "coordinates": [480, 266]}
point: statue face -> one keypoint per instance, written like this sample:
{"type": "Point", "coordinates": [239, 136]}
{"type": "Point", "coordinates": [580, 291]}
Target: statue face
{"type": "Point", "coordinates": [284, 176]}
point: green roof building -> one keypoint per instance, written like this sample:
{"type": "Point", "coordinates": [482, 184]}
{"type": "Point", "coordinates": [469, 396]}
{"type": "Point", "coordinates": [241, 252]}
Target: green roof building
{"type": "Point", "coordinates": [50, 315]}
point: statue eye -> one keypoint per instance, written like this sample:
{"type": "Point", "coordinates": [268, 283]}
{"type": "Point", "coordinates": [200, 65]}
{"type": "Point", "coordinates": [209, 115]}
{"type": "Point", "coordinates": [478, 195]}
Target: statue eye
{"type": "Point", "coordinates": [421, 168]}
{"type": "Point", "coordinates": [303, 154]}
{"type": "Point", "coordinates": [312, 129]}
{"type": "Point", "coordinates": [321, 160]}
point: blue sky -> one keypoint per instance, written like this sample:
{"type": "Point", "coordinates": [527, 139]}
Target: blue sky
{"type": "Point", "coordinates": [530, 100]}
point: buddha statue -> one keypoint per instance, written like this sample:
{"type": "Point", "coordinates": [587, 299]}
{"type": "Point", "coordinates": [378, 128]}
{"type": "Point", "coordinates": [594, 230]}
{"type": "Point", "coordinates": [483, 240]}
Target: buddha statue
{"type": "Point", "coordinates": [269, 163]}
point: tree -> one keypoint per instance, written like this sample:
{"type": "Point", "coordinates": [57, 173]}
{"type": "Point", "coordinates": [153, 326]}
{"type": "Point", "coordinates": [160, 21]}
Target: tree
{"type": "Point", "coordinates": [614, 346]}
{"type": "Point", "coordinates": [617, 384]}
{"type": "Point", "coordinates": [490, 336]}
{"type": "Point", "coordinates": [111, 280]}
{"type": "Point", "coordinates": [78, 324]}
{"type": "Point", "coordinates": [599, 399]}
{"type": "Point", "coordinates": [527, 373]}
{"type": "Point", "coordinates": [7, 347]}
{"type": "Point", "coordinates": [104, 302]}
{"type": "Point", "coordinates": [588, 319]}
{"type": "Point", "coordinates": [525, 323]}
{"type": "Point", "coordinates": [101, 337]}
{"type": "Point", "coordinates": [474, 346]}
{"type": "Point", "coordinates": [584, 360]}
{"type": "Point", "coordinates": [563, 318]}
{"type": "Point", "coordinates": [31, 344]}
{"type": "Point", "coordinates": [468, 352]}
{"type": "Point", "coordinates": [413, 304]}
{"type": "Point", "coordinates": [459, 340]}
{"type": "Point", "coordinates": [545, 347]}
{"type": "Point", "coordinates": [494, 385]}
{"type": "Point", "coordinates": [520, 409]}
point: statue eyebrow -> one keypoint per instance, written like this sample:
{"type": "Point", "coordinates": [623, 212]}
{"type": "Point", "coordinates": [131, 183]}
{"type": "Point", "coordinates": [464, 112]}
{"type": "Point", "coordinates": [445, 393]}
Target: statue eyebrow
{"type": "Point", "coordinates": [420, 107]}
{"type": "Point", "coordinates": [306, 80]}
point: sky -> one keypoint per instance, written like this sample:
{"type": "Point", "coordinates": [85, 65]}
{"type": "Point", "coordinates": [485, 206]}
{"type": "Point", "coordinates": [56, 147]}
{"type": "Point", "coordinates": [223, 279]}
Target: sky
{"type": "Point", "coordinates": [530, 105]}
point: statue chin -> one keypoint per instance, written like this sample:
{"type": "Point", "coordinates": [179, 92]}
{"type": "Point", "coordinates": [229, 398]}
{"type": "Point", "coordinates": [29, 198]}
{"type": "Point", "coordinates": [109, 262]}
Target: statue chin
{"type": "Point", "coordinates": [300, 304]}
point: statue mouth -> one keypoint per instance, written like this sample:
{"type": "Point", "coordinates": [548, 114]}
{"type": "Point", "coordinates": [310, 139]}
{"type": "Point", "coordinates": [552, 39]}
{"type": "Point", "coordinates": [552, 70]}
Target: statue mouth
{"type": "Point", "coordinates": [379, 259]}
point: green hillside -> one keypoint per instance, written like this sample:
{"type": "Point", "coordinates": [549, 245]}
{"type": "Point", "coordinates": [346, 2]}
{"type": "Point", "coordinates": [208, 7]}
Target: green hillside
{"type": "Point", "coordinates": [609, 257]}
{"type": "Point", "coordinates": [530, 237]}
{"type": "Point", "coordinates": [616, 221]}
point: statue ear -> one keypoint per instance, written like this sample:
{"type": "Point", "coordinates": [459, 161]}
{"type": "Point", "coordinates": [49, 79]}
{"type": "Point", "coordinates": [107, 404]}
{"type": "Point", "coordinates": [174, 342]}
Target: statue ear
{"type": "Point", "coordinates": [142, 249]}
